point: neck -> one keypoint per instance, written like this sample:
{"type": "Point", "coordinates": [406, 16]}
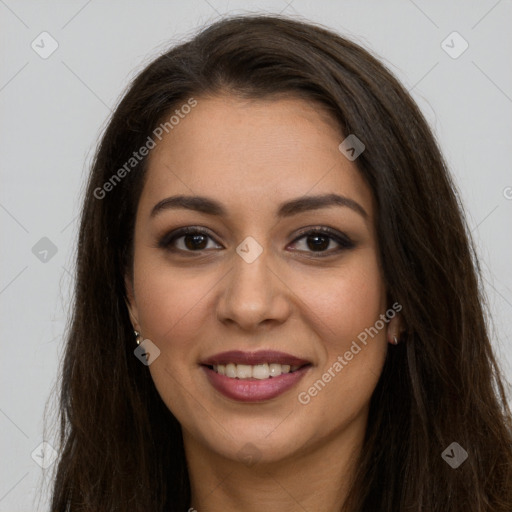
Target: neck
{"type": "Point", "coordinates": [317, 478]}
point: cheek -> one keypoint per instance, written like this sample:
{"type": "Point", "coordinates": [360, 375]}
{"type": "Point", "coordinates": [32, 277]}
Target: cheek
{"type": "Point", "coordinates": [329, 308]}
{"type": "Point", "coordinates": [343, 311]}
{"type": "Point", "coordinates": [171, 306]}
{"type": "Point", "coordinates": [338, 303]}
{"type": "Point", "coordinates": [169, 303]}
{"type": "Point", "coordinates": [345, 302]}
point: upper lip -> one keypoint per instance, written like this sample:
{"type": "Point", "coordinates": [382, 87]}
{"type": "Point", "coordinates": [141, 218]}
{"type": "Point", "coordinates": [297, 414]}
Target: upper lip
{"type": "Point", "coordinates": [254, 358]}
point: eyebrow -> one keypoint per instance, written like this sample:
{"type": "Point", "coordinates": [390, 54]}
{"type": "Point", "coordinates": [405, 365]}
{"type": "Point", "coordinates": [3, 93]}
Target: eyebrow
{"type": "Point", "coordinates": [287, 209]}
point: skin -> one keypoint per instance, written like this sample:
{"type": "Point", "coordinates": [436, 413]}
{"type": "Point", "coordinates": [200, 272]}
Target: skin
{"type": "Point", "coordinates": [192, 305]}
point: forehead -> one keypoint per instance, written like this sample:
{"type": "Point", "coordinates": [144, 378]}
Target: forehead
{"type": "Point", "coordinates": [252, 155]}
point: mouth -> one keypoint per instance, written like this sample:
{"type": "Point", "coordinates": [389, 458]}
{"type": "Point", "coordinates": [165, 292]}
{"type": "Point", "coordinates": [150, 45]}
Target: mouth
{"type": "Point", "coordinates": [257, 371]}
{"type": "Point", "coordinates": [254, 376]}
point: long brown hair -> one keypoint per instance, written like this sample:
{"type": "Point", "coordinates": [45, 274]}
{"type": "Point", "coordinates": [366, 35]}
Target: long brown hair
{"type": "Point", "coordinates": [122, 448]}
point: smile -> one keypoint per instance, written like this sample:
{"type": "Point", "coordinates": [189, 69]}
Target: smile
{"type": "Point", "coordinates": [254, 376]}
{"type": "Point", "coordinates": [258, 371]}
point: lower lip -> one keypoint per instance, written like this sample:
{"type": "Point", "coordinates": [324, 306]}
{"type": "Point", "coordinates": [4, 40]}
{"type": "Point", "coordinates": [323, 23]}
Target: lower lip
{"type": "Point", "coordinates": [254, 390]}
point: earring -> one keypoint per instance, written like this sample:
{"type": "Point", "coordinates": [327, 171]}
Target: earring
{"type": "Point", "coordinates": [395, 340]}
{"type": "Point", "coordinates": [138, 337]}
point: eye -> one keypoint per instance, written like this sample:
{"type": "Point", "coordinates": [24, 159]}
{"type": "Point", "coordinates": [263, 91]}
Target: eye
{"type": "Point", "coordinates": [194, 240]}
{"type": "Point", "coordinates": [317, 240]}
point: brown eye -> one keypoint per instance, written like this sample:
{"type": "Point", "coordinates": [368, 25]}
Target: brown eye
{"type": "Point", "coordinates": [319, 240]}
{"type": "Point", "coordinates": [193, 240]}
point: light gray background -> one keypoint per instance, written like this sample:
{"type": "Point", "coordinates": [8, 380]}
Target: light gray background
{"type": "Point", "coordinates": [53, 111]}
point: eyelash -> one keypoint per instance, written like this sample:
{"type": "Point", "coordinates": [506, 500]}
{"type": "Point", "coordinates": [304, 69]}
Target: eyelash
{"type": "Point", "coordinates": [344, 241]}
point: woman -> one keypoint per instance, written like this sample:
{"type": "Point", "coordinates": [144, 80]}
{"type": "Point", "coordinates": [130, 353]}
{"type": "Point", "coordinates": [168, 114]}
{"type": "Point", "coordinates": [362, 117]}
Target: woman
{"type": "Point", "coordinates": [277, 300]}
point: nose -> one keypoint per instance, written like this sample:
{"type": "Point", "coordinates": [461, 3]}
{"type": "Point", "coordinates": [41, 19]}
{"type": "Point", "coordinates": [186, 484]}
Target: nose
{"type": "Point", "coordinates": [254, 295]}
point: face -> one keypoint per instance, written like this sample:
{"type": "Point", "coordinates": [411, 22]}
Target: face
{"type": "Point", "coordinates": [258, 309]}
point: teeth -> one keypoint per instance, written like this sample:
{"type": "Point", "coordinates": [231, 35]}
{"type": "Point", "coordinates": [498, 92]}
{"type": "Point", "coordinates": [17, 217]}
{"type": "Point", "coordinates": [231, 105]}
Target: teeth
{"type": "Point", "coordinates": [230, 370]}
{"type": "Point", "coordinates": [243, 371]}
{"type": "Point", "coordinates": [258, 371]}
{"type": "Point", "coordinates": [275, 370]}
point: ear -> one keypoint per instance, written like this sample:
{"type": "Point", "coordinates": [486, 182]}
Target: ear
{"type": "Point", "coordinates": [130, 303]}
